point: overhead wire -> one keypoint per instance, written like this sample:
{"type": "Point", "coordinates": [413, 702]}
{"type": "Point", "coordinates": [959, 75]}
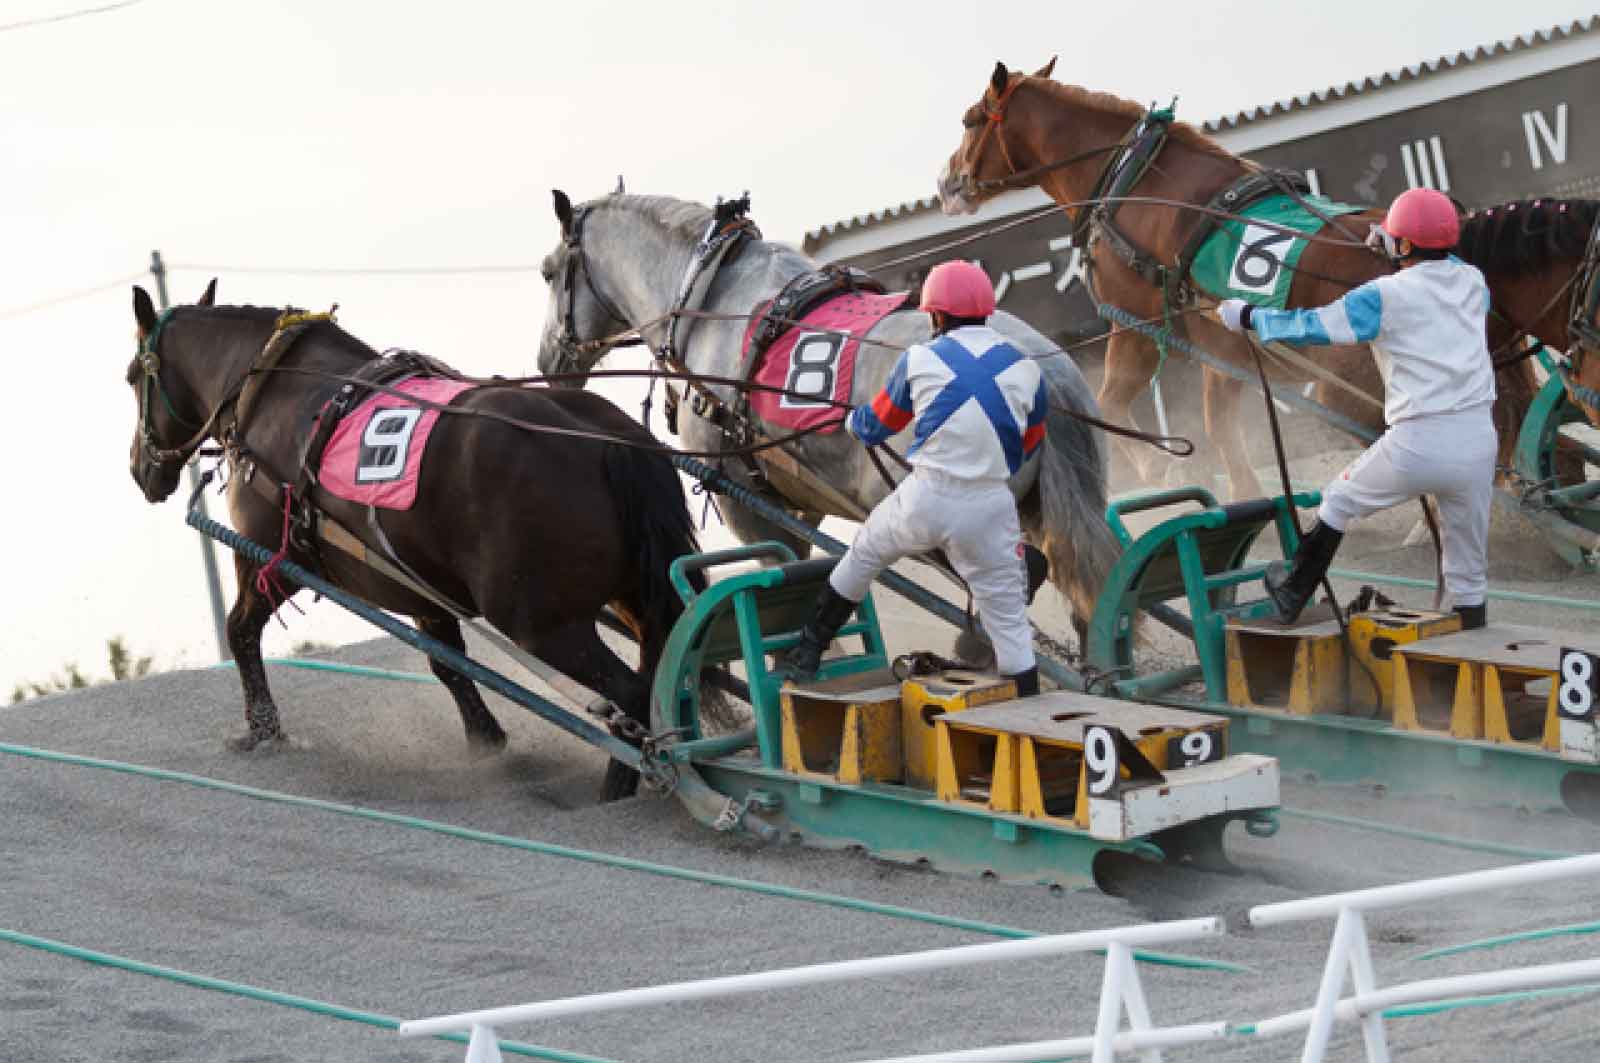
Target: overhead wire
{"type": "Point", "coordinates": [42, 20]}
{"type": "Point", "coordinates": [67, 297]}
{"type": "Point", "coordinates": [354, 271]}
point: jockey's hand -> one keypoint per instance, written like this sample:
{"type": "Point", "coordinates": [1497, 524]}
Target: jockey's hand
{"type": "Point", "coordinates": [1235, 314]}
{"type": "Point", "coordinates": [850, 422]}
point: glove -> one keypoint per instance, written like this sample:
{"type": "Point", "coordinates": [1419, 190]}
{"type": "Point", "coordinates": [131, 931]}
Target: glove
{"type": "Point", "coordinates": [1235, 314]}
{"type": "Point", "coordinates": [850, 423]}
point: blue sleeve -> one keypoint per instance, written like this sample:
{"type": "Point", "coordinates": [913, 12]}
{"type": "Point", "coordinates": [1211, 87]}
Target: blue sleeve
{"type": "Point", "coordinates": [889, 412]}
{"type": "Point", "coordinates": [1355, 318]}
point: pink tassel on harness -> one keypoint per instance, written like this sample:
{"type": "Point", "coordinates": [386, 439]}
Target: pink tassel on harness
{"type": "Point", "coordinates": [268, 583]}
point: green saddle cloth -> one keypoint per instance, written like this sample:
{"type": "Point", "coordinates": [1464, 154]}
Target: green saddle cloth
{"type": "Point", "coordinates": [1244, 260]}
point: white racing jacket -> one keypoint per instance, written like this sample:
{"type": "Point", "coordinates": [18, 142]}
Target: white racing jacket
{"type": "Point", "coordinates": [1425, 323]}
{"type": "Point", "coordinates": [979, 405]}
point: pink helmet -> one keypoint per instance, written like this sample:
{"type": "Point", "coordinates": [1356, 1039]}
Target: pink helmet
{"type": "Point", "coordinates": [1425, 217]}
{"type": "Point", "coordinates": [960, 289]}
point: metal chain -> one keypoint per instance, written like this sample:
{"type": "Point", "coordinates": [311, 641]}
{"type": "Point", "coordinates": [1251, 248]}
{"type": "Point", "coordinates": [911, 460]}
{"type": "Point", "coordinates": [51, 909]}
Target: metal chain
{"type": "Point", "coordinates": [657, 772]}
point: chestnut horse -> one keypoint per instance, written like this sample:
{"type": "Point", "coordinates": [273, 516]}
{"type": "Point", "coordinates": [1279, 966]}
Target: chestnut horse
{"type": "Point", "coordinates": [534, 531]}
{"type": "Point", "coordinates": [1028, 129]}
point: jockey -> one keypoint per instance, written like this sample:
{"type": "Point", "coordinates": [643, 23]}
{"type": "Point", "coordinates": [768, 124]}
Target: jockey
{"type": "Point", "coordinates": [978, 405]}
{"type": "Point", "coordinates": [1426, 324]}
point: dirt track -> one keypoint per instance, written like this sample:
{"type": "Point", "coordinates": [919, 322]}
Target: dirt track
{"type": "Point", "coordinates": [402, 922]}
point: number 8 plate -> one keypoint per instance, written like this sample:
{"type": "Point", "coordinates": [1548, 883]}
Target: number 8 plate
{"type": "Point", "coordinates": [1579, 689]}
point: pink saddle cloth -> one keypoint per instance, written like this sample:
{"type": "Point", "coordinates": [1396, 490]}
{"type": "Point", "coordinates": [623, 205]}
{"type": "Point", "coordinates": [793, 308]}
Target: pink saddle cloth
{"type": "Point", "coordinates": [818, 358]}
{"type": "Point", "coordinates": [375, 455]}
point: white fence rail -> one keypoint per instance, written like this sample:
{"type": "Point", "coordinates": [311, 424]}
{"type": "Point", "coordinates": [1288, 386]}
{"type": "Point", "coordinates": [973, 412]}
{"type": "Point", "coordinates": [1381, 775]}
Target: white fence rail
{"type": "Point", "coordinates": [1120, 990]}
{"type": "Point", "coordinates": [1348, 953]}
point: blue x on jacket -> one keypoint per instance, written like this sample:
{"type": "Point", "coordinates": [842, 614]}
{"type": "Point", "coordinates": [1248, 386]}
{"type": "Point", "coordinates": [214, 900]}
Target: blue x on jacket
{"type": "Point", "coordinates": [979, 405]}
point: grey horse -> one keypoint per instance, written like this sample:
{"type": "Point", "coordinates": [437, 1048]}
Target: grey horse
{"type": "Point", "coordinates": [625, 270]}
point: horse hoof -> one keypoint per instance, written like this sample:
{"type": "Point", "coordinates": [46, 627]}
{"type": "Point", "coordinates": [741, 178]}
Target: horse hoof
{"type": "Point", "coordinates": [250, 741]}
{"type": "Point", "coordinates": [483, 746]}
{"type": "Point", "coordinates": [621, 782]}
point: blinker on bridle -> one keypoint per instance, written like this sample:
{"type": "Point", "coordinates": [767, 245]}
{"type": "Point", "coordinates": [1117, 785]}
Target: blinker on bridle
{"type": "Point", "coordinates": [149, 359]}
{"type": "Point", "coordinates": [569, 347]}
{"type": "Point", "coordinates": [992, 117]}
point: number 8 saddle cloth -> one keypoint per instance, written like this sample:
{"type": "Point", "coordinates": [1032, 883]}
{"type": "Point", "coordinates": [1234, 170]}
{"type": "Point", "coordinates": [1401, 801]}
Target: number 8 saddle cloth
{"type": "Point", "coordinates": [806, 341]}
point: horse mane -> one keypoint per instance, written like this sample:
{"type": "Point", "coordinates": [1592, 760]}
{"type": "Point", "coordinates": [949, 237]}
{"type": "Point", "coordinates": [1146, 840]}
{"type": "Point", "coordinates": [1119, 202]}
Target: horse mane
{"type": "Point", "coordinates": [263, 315]}
{"type": "Point", "coordinates": [1106, 103]}
{"type": "Point", "coordinates": [679, 216]}
{"type": "Point", "coordinates": [1527, 235]}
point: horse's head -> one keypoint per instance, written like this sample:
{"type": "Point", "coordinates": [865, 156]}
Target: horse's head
{"type": "Point", "coordinates": [989, 151]}
{"type": "Point", "coordinates": [578, 317]}
{"type": "Point", "coordinates": [170, 411]}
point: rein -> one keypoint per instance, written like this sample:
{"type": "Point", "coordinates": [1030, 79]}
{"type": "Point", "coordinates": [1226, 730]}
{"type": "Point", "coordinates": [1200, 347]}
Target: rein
{"type": "Point", "coordinates": [727, 226]}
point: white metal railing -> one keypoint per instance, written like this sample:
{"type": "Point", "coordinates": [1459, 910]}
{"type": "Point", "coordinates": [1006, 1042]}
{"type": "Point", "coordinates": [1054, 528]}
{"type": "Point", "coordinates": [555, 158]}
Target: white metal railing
{"type": "Point", "coordinates": [1348, 953]}
{"type": "Point", "coordinates": [1120, 990]}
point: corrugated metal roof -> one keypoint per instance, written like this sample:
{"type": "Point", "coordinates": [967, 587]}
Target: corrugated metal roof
{"type": "Point", "coordinates": [1416, 72]}
{"type": "Point", "coordinates": [862, 221]}
{"type": "Point", "coordinates": [1410, 73]}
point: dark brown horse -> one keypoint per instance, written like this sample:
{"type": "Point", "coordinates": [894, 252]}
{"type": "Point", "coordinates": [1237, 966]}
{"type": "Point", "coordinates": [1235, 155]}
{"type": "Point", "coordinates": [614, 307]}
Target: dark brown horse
{"type": "Point", "coordinates": [1028, 129]}
{"type": "Point", "coordinates": [535, 532]}
{"type": "Point", "coordinates": [1540, 259]}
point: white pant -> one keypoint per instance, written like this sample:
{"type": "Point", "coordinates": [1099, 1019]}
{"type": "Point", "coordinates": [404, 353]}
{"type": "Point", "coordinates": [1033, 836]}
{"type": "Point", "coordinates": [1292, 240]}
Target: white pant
{"type": "Point", "coordinates": [975, 523]}
{"type": "Point", "coordinates": [1449, 456]}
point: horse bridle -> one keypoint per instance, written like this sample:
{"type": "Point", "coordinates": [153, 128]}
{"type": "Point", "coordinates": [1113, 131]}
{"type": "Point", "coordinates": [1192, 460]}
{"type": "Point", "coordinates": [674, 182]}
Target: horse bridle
{"type": "Point", "coordinates": [570, 349]}
{"type": "Point", "coordinates": [149, 359]}
{"type": "Point", "coordinates": [992, 119]}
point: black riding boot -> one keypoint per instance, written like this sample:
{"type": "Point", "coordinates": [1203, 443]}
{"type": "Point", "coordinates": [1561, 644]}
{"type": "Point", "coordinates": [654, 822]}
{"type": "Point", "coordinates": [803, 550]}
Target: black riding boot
{"type": "Point", "coordinates": [1473, 616]}
{"type": "Point", "coordinates": [1027, 682]}
{"type": "Point", "coordinates": [805, 657]}
{"type": "Point", "coordinates": [1291, 585]}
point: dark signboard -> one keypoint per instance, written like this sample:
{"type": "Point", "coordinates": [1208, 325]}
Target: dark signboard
{"type": "Point", "coordinates": [1527, 138]}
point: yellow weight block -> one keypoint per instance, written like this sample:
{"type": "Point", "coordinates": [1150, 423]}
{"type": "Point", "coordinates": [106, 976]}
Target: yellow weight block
{"type": "Point", "coordinates": [846, 729]}
{"type": "Point", "coordinates": [1374, 635]}
{"type": "Point", "coordinates": [1297, 669]}
{"type": "Point", "coordinates": [1027, 756]}
{"type": "Point", "coordinates": [1304, 668]}
{"type": "Point", "coordinates": [924, 697]}
{"type": "Point", "coordinates": [977, 767]}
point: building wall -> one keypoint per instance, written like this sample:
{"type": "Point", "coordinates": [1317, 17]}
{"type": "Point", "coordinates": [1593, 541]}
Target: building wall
{"type": "Point", "coordinates": [1528, 138]}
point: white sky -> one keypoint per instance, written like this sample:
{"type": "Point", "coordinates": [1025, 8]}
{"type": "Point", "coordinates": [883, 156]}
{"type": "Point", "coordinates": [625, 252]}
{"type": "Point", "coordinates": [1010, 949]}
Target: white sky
{"type": "Point", "coordinates": [357, 133]}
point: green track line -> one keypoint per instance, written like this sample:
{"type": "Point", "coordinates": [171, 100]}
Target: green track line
{"type": "Point", "coordinates": [1498, 848]}
{"type": "Point", "coordinates": [1513, 939]}
{"type": "Point", "coordinates": [588, 856]}
{"type": "Point", "coordinates": [1407, 1011]}
{"type": "Point", "coordinates": [1492, 592]}
{"type": "Point", "coordinates": [345, 669]}
{"type": "Point", "coordinates": [269, 996]}
{"type": "Point", "coordinates": [1435, 1007]}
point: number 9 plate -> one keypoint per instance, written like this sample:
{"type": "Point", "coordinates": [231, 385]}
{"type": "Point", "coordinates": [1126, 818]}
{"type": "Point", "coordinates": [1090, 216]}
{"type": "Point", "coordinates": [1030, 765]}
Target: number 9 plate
{"type": "Point", "coordinates": [1196, 747]}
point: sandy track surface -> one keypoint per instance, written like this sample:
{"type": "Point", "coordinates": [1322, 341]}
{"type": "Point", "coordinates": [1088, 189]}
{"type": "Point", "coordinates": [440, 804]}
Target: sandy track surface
{"type": "Point", "coordinates": [394, 921]}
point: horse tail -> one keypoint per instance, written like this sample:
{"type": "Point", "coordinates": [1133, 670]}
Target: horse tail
{"type": "Point", "coordinates": [656, 530]}
{"type": "Point", "coordinates": [1065, 515]}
